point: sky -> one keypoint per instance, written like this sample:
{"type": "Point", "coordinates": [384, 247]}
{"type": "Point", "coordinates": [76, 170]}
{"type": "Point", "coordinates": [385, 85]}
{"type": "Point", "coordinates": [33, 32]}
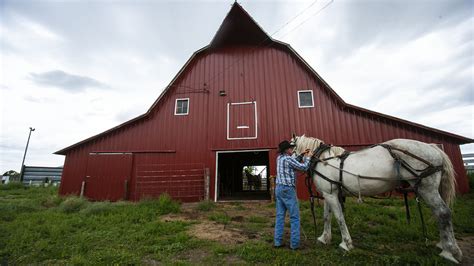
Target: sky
{"type": "Point", "coordinates": [72, 69]}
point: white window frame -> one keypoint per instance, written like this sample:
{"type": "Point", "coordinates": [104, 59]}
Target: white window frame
{"type": "Point", "coordinates": [176, 106]}
{"type": "Point", "coordinates": [242, 126]}
{"type": "Point", "coordinates": [312, 99]}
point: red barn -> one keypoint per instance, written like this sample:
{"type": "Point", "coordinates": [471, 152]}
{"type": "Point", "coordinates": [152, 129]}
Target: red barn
{"type": "Point", "coordinates": [228, 107]}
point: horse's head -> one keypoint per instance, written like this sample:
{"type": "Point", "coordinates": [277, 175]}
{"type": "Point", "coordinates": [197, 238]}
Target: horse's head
{"type": "Point", "coordinates": [302, 143]}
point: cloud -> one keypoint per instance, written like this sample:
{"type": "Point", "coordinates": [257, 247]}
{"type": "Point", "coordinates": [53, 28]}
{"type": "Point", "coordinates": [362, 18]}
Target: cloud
{"type": "Point", "coordinates": [410, 59]}
{"type": "Point", "coordinates": [65, 81]}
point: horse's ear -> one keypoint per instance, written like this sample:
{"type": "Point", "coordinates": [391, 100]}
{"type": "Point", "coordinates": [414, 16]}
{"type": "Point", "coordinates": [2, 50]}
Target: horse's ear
{"type": "Point", "coordinates": [293, 135]}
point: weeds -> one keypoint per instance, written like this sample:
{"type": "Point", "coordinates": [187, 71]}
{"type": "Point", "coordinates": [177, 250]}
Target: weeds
{"type": "Point", "coordinates": [206, 205]}
{"type": "Point", "coordinates": [220, 217]}
{"type": "Point", "coordinates": [73, 204]}
{"type": "Point", "coordinates": [163, 205]}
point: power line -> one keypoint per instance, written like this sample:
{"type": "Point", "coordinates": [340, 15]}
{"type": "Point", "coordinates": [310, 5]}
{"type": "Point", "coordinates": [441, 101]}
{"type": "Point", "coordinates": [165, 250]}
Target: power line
{"type": "Point", "coordinates": [306, 20]}
{"type": "Point", "coordinates": [266, 39]}
{"type": "Point", "coordinates": [299, 14]}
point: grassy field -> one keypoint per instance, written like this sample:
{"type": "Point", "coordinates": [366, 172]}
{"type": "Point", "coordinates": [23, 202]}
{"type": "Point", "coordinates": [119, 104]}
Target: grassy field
{"type": "Point", "coordinates": [37, 226]}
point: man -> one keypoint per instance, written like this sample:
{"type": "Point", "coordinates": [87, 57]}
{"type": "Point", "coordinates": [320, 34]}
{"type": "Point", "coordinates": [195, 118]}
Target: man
{"type": "Point", "coordinates": [285, 192]}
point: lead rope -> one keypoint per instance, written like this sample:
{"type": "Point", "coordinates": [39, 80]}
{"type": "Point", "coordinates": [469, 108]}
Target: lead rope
{"type": "Point", "coordinates": [423, 226]}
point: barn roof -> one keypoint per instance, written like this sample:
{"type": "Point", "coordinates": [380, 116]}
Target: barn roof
{"type": "Point", "coordinates": [239, 28]}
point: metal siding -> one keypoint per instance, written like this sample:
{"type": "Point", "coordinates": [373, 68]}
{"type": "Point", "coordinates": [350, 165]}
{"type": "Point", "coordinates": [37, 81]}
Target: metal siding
{"type": "Point", "coordinates": [270, 76]}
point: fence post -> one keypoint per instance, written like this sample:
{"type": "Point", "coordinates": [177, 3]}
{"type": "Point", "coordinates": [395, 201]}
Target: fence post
{"type": "Point", "coordinates": [272, 188]}
{"type": "Point", "coordinates": [206, 183]}
{"type": "Point", "coordinates": [82, 188]}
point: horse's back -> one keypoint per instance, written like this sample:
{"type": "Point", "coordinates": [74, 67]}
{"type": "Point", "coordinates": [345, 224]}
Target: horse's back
{"type": "Point", "coordinates": [421, 149]}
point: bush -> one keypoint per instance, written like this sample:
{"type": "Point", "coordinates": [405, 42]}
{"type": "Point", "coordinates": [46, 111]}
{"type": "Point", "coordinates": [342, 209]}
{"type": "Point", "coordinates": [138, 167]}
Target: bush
{"type": "Point", "coordinates": [97, 208]}
{"type": "Point", "coordinates": [164, 204]}
{"type": "Point", "coordinates": [73, 204]}
{"type": "Point", "coordinates": [206, 205]}
{"type": "Point", "coordinates": [51, 201]}
{"type": "Point", "coordinates": [12, 186]}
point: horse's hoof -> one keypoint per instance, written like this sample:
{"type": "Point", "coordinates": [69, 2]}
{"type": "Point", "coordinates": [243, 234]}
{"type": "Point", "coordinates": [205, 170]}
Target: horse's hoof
{"type": "Point", "coordinates": [323, 240]}
{"type": "Point", "coordinates": [447, 255]}
{"type": "Point", "coordinates": [439, 245]}
{"type": "Point", "coordinates": [345, 247]}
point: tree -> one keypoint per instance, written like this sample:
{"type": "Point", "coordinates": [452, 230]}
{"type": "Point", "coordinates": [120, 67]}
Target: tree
{"type": "Point", "coordinates": [14, 175]}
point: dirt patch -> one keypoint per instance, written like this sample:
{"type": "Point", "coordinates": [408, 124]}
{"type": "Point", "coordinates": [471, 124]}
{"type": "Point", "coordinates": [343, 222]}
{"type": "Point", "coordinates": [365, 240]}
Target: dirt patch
{"type": "Point", "coordinates": [237, 219]}
{"type": "Point", "coordinates": [467, 246]}
{"type": "Point", "coordinates": [235, 232]}
{"type": "Point", "coordinates": [217, 232]}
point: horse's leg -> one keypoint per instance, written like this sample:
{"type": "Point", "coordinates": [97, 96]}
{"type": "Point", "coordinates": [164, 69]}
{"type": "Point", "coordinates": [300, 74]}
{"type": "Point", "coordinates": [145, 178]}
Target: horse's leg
{"type": "Point", "coordinates": [336, 208]}
{"type": "Point", "coordinates": [439, 208]}
{"type": "Point", "coordinates": [325, 238]}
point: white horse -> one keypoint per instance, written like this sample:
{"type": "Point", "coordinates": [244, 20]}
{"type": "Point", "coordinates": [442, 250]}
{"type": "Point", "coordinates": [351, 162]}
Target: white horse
{"type": "Point", "coordinates": [437, 190]}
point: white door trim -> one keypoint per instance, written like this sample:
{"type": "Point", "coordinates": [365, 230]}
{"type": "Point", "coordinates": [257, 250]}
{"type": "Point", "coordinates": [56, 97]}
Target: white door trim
{"type": "Point", "coordinates": [217, 166]}
{"type": "Point", "coordinates": [244, 126]}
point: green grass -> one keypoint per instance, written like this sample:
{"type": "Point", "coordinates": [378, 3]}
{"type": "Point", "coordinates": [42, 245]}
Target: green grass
{"type": "Point", "coordinates": [38, 227]}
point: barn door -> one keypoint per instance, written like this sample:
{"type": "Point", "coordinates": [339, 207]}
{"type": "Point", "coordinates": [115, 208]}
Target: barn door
{"type": "Point", "coordinates": [107, 176]}
{"type": "Point", "coordinates": [242, 120]}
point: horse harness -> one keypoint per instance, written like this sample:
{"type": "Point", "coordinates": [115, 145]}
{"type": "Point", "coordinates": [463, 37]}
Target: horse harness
{"type": "Point", "coordinates": [403, 186]}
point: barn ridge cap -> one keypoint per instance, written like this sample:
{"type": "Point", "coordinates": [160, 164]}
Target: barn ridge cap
{"type": "Point", "coordinates": [259, 37]}
{"type": "Point", "coordinates": [239, 28]}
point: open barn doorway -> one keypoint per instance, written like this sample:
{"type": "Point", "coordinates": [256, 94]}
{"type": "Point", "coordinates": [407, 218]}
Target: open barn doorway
{"type": "Point", "coordinates": [243, 175]}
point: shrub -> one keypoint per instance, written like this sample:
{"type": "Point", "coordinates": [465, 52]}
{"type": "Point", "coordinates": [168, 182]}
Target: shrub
{"type": "Point", "coordinates": [164, 204]}
{"type": "Point", "coordinates": [73, 204]}
{"type": "Point", "coordinates": [206, 205]}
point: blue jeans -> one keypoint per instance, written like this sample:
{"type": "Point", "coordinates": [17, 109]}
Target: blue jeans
{"type": "Point", "coordinates": [286, 200]}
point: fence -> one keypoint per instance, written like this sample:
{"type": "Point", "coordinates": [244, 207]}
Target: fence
{"type": "Point", "coordinates": [185, 182]}
{"type": "Point", "coordinates": [37, 175]}
{"type": "Point", "coordinates": [468, 159]}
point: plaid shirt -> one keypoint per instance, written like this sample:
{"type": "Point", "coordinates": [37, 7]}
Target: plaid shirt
{"type": "Point", "coordinates": [286, 166]}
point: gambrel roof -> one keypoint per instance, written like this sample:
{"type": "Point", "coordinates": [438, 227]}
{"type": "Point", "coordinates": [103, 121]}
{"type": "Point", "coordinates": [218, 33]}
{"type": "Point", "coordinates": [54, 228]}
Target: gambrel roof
{"type": "Point", "coordinates": [239, 28]}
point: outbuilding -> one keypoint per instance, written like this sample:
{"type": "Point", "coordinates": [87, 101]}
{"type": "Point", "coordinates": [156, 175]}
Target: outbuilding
{"type": "Point", "coordinates": [213, 132]}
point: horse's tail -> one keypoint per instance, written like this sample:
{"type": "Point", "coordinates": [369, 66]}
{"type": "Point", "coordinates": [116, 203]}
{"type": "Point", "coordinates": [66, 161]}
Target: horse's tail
{"type": "Point", "coordinates": [448, 185]}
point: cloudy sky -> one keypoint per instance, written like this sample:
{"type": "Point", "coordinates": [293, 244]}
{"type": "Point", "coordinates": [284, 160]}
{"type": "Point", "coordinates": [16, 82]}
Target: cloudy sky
{"type": "Point", "coordinates": [72, 69]}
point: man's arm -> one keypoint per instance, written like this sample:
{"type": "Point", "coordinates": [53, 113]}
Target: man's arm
{"type": "Point", "coordinates": [299, 166]}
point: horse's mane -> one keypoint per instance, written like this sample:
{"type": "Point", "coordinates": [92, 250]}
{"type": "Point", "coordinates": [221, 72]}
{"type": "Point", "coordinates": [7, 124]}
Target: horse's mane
{"type": "Point", "coordinates": [303, 143]}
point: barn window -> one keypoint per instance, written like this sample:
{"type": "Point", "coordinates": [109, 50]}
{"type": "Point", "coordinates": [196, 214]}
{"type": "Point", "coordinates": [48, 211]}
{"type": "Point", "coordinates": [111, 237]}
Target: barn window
{"type": "Point", "coordinates": [305, 99]}
{"type": "Point", "coordinates": [182, 107]}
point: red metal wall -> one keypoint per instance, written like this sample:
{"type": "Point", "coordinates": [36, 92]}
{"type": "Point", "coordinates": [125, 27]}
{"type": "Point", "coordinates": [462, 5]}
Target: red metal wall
{"type": "Point", "coordinates": [270, 76]}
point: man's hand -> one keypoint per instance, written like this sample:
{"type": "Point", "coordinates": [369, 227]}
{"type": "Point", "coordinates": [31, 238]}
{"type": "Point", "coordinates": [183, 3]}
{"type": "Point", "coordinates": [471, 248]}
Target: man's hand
{"type": "Point", "coordinates": [309, 154]}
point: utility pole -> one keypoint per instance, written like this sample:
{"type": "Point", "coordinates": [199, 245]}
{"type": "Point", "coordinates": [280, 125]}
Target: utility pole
{"type": "Point", "coordinates": [24, 155]}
